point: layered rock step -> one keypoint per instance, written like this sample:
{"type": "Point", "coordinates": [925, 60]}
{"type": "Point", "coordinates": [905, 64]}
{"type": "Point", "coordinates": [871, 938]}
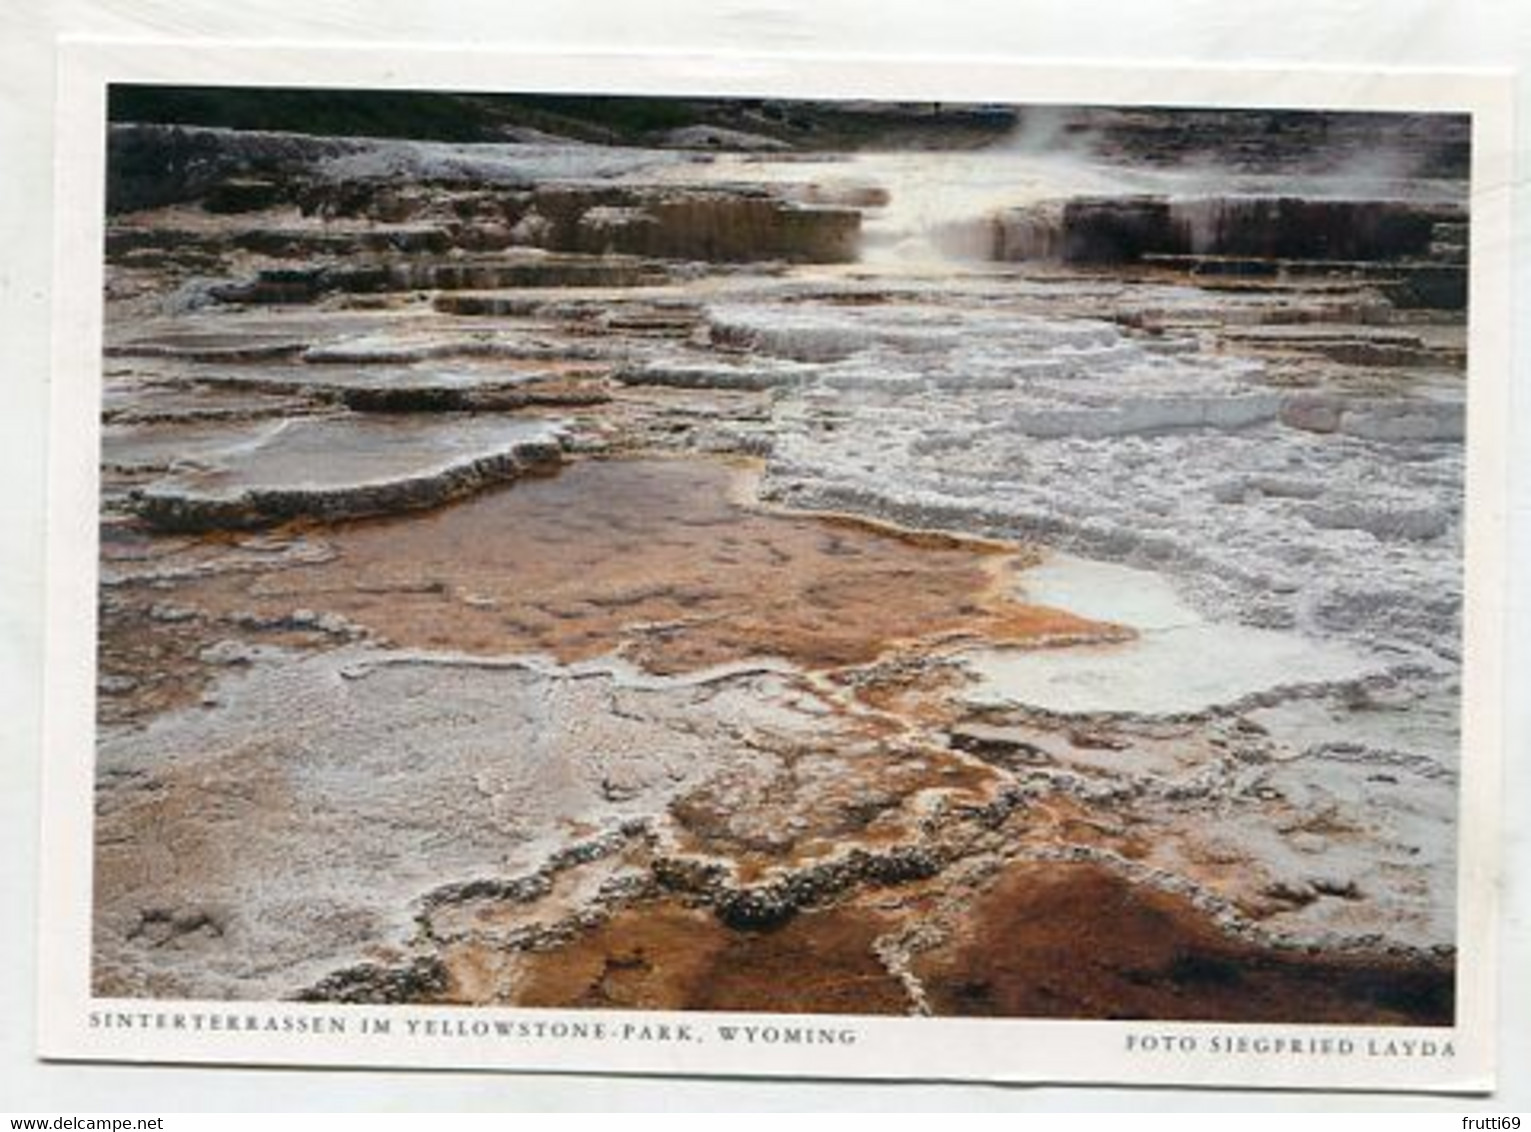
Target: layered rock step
{"type": "Point", "coordinates": [328, 468]}
{"type": "Point", "coordinates": [1417, 249]}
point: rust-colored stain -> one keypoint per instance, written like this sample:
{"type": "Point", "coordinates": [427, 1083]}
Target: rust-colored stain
{"type": "Point", "coordinates": [1063, 940]}
{"type": "Point", "coordinates": [667, 956]}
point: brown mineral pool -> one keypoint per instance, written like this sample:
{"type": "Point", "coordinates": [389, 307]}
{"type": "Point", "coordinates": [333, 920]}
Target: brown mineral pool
{"type": "Point", "coordinates": [657, 560]}
{"type": "Point", "coordinates": [1051, 940]}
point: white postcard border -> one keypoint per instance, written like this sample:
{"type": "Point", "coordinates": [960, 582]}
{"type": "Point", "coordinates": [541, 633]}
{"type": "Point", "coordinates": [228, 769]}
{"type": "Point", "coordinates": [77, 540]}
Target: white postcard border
{"type": "Point", "coordinates": [1330, 1057]}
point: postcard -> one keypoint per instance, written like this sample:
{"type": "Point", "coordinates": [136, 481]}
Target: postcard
{"type": "Point", "coordinates": [776, 567]}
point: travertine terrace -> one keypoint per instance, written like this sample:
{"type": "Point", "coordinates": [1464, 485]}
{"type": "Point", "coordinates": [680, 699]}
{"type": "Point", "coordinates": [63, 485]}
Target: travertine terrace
{"type": "Point", "coordinates": [720, 572]}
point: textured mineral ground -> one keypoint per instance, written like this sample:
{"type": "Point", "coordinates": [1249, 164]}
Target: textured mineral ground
{"type": "Point", "coordinates": [732, 573]}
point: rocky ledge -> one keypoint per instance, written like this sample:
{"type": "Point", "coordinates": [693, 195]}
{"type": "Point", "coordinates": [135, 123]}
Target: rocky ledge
{"type": "Point", "coordinates": [337, 468]}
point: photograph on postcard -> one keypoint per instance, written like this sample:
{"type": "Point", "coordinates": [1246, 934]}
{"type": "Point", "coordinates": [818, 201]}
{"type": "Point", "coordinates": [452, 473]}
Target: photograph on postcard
{"type": "Point", "coordinates": [864, 558]}
{"type": "Point", "coordinates": [780, 557]}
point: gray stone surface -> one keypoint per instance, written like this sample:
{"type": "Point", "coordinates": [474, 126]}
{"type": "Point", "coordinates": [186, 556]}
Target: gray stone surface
{"type": "Point", "coordinates": [293, 828]}
{"type": "Point", "coordinates": [332, 468]}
